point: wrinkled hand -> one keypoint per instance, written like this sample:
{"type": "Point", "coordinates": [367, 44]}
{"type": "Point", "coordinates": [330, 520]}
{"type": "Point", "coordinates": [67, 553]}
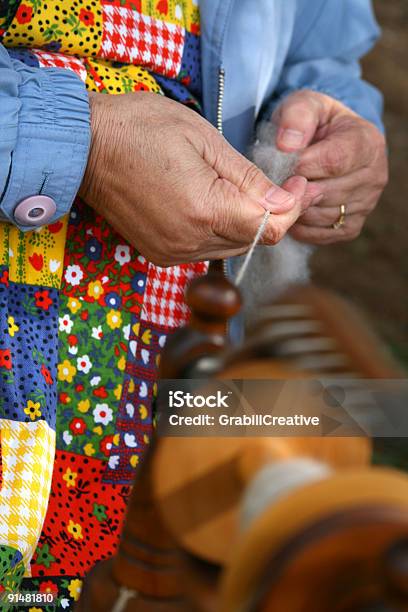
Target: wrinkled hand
{"type": "Point", "coordinates": [344, 157]}
{"type": "Point", "coordinates": [166, 180]}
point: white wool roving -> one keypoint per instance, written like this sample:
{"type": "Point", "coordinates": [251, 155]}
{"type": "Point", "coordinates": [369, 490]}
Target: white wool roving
{"type": "Point", "coordinates": [277, 480]}
{"type": "Point", "coordinates": [272, 269]}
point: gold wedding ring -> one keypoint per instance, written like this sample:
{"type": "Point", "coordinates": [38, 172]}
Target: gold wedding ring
{"type": "Point", "coordinates": [342, 219]}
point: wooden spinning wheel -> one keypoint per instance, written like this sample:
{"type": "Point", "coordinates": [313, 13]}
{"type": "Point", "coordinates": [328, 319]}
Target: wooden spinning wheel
{"type": "Point", "coordinates": [336, 541]}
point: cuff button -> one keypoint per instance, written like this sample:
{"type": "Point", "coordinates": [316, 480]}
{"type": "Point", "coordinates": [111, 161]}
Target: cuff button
{"type": "Point", "coordinates": [36, 210]}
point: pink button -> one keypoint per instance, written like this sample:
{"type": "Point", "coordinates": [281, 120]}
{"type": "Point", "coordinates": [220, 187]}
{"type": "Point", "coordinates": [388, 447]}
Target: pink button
{"type": "Point", "coordinates": [35, 210]}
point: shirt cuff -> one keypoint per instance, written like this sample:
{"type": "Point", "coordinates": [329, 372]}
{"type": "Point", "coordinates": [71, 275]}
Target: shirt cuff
{"type": "Point", "coordinates": [53, 140]}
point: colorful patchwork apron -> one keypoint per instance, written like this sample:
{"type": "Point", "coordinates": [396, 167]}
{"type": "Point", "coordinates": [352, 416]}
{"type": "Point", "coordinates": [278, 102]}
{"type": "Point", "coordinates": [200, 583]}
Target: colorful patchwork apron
{"type": "Point", "coordinates": [83, 316]}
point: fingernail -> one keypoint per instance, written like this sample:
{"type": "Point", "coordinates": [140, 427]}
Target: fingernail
{"type": "Point", "coordinates": [278, 198]}
{"type": "Point", "coordinates": [292, 139]}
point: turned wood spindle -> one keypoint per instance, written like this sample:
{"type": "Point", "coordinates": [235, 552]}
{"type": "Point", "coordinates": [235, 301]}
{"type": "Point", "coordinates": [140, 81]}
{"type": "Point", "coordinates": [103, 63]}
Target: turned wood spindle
{"type": "Point", "coordinates": [188, 353]}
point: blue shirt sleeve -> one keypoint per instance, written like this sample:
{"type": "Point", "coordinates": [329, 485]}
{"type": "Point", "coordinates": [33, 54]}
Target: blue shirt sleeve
{"type": "Point", "coordinates": [44, 135]}
{"type": "Point", "coordinates": [328, 40]}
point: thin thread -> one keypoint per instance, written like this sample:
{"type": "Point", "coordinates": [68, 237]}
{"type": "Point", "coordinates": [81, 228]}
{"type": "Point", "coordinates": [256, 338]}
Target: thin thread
{"type": "Point", "coordinates": [124, 596]}
{"type": "Point", "coordinates": [242, 271]}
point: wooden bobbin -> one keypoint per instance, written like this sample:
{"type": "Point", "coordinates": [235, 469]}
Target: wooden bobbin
{"type": "Point", "coordinates": [338, 545]}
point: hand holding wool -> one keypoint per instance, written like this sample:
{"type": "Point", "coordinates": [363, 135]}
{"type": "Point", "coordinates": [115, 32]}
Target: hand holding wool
{"type": "Point", "coordinates": [169, 183]}
{"type": "Point", "coordinates": [341, 154]}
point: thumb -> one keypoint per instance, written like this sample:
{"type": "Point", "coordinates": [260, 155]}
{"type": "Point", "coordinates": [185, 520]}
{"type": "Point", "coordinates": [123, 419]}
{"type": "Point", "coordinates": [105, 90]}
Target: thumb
{"type": "Point", "coordinates": [298, 118]}
{"type": "Point", "coordinates": [237, 217]}
{"type": "Point", "coordinates": [247, 178]}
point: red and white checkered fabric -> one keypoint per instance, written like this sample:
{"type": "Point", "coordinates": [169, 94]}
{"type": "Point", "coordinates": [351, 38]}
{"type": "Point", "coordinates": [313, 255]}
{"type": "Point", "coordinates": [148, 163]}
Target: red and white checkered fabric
{"type": "Point", "coordinates": [134, 38]}
{"type": "Point", "coordinates": [58, 60]}
{"type": "Point", "coordinates": [164, 301]}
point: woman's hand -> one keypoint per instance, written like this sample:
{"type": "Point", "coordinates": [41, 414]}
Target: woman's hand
{"type": "Point", "coordinates": [173, 187]}
{"type": "Point", "coordinates": [344, 158]}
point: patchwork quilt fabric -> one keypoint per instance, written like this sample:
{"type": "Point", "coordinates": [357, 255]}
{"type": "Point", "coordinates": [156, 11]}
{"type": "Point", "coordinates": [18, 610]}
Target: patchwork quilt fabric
{"type": "Point", "coordinates": [83, 316]}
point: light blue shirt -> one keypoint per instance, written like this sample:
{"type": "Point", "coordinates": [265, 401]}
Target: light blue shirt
{"type": "Point", "coordinates": [267, 48]}
{"type": "Point", "coordinates": [44, 135]}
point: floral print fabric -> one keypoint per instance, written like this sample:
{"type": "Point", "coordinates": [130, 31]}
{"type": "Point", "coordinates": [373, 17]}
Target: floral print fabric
{"type": "Point", "coordinates": [83, 316]}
